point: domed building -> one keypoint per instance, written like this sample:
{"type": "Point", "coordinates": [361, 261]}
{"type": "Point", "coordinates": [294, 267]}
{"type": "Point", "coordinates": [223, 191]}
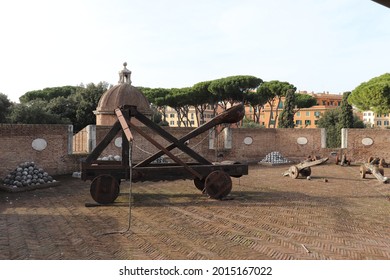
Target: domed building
{"type": "Point", "coordinates": [121, 94]}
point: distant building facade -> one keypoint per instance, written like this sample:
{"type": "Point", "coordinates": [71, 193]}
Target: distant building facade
{"type": "Point", "coordinates": [305, 117]}
{"type": "Point", "coordinates": [191, 120]}
{"type": "Point", "coordinates": [372, 119]}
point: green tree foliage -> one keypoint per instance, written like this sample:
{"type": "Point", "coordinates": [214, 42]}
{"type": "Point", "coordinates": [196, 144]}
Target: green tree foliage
{"type": "Point", "coordinates": [304, 101]}
{"type": "Point", "coordinates": [60, 105]}
{"type": "Point", "coordinates": [286, 118]}
{"type": "Point", "coordinates": [157, 98]}
{"type": "Point", "coordinates": [48, 94]}
{"type": "Point", "coordinates": [87, 100]}
{"type": "Point", "coordinates": [250, 124]}
{"type": "Point", "coordinates": [233, 89]}
{"type": "Point", "coordinates": [330, 120]}
{"type": "Point", "coordinates": [5, 105]}
{"type": "Point", "coordinates": [372, 95]}
{"type": "Point", "coordinates": [346, 116]}
{"type": "Point", "coordinates": [33, 113]}
{"type": "Point", "coordinates": [201, 97]}
{"type": "Point", "coordinates": [65, 108]}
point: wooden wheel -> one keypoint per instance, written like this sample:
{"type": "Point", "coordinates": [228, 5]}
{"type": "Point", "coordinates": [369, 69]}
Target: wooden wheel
{"type": "Point", "coordinates": [199, 184]}
{"type": "Point", "coordinates": [104, 189]}
{"type": "Point", "coordinates": [293, 172]}
{"type": "Point", "coordinates": [218, 184]}
{"type": "Point", "coordinates": [363, 171]}
{"type": "Point", "coordinates": [305, 172]}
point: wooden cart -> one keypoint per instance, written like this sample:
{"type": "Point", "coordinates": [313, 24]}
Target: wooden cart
{"type": "Point", "coordinates": [303, 168]}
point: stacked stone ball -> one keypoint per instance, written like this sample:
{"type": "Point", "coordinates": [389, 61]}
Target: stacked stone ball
{"type": "Point", "coordinates": [275, 158]}
{"type": "Point", "coordinates": [27, 174]}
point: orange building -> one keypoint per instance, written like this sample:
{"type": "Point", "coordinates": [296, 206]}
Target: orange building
{"type": "Point", "coordinates": [305, 117]}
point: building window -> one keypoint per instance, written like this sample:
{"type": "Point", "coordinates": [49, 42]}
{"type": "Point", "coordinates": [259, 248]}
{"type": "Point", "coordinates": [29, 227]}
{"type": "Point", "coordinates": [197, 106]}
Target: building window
{"type": "Point", "coordinates": [317, 114]}
{"type": "Point", "coordinates": [298, 114]}
{"type": "Point", "coordinates": [316, 122]}
{"type": "Point", "coordinates": [298, 122]}
{"type": "Point", "coordinates": [280, 105]}
{"type": "Point", "coordinates": [307, 122]}
{"type": "Point", "coordinates": [192, 116]}
{"type": "Point", "coordinates": [192, 122]}
{"type": "Point", "coordinates": [323, 102]}
{"type": "Point", "coordinates": [338, 103]}
{"type": "Point", "coordinates": [369, 114]}
{"type": "Point", "coordinates": [307, 113]}
{"type": "Point", "coordinates": [364, 114]}
{"type": "Point", "coordinates": [171, 116]}
{"type": "Point", "coordinates": [379, 123]}
{"type": "Point", "coordinates": [172, 123]}
{"type": "Point", "coordinates": [378, 115]}
{"type": "Point", "coordinates": [386, 123]}
{"type": "Point", "coordinates": [331, 103]}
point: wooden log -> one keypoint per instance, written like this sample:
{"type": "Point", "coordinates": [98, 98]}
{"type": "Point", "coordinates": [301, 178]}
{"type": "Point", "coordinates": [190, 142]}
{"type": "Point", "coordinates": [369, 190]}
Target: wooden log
{"type": "Point", "coordinates": [376, 171]}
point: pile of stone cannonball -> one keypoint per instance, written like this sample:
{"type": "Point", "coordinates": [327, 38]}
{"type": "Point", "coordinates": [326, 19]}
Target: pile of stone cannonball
{"type": "Point", "coordinates": [275, 158]}
{"type": "Point", "coordinates": [111, 158]}
{"type": "Point", "coordinates": [27, 174]}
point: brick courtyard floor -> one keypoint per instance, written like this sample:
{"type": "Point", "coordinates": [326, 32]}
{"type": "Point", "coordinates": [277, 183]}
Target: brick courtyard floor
{"type": "Point", "coordinates": [268, 217]}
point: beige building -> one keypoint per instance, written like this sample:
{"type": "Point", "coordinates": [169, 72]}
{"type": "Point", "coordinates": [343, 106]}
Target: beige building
{"type": "Point", "coordinates": [372, 119]}
{"type": "Point", "coordinates": [192, 121]}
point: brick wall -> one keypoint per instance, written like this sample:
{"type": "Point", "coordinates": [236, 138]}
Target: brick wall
{"type": "Point", "coordinates": [359, 152]}
{"type": "Point", "coordinates": [16, 147]}
{"type": "Point", "coordinates": [264, 141]}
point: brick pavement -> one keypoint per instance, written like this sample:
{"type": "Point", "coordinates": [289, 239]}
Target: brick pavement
{"type": "Point", "coordinates": [269, 217]}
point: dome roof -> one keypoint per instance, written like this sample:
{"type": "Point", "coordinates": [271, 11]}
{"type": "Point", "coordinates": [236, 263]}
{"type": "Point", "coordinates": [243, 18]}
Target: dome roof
{"type": "Point", "coordinates": [123, 94]}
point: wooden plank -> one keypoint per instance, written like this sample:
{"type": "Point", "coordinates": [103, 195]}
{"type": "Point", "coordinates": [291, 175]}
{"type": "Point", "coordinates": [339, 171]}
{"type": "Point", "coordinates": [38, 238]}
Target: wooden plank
{"type": "Point", "coordinates": [124, 124]}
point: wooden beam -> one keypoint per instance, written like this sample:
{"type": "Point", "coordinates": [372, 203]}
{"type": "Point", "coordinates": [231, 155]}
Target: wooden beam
{"type": "Point", "coordinates": [169, 137]}
{"type": "Point", "coordinates": [104, 143]}
{"type": "Point", "coordinates": [383, 2]}
{"type": "Point", "coordinates": [168, 153]}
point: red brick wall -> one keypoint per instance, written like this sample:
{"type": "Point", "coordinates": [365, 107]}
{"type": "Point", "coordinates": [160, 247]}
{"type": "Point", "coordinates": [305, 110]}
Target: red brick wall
{"type": "Point", "coordinates": [16, 147]}
{"type": "Point", "coordinates": [360, 153]}
{"type": "Point", "coordinates": [264, 141]}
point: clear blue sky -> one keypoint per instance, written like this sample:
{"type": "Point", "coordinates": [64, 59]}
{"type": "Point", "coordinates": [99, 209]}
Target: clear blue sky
{"type": "Point", "coordinates": [329, 45]}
